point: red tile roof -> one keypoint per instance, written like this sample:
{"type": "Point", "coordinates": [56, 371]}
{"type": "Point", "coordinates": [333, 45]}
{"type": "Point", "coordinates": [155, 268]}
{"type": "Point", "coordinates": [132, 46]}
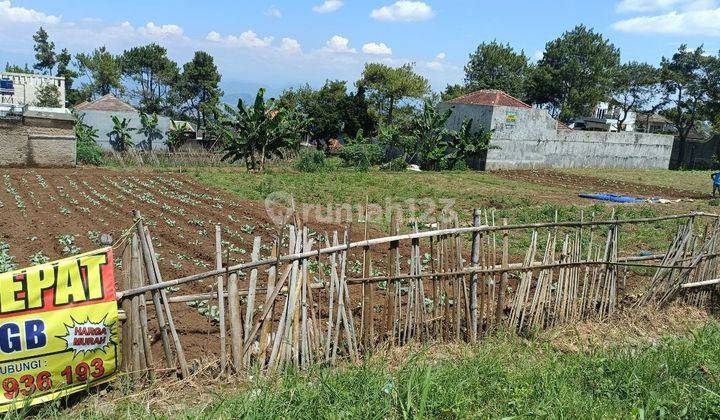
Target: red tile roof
{"type": "Point", "coordinates": [490, 97]}
{"type": "Point", "coordinates": [108, 102]}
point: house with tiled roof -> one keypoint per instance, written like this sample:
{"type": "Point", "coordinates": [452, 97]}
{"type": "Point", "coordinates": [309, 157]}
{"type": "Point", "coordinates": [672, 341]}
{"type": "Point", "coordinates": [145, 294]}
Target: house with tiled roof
{"type": "Point", "coordinates": [98, 114]}
{"type": "Point", "coordinates": [525, 136]}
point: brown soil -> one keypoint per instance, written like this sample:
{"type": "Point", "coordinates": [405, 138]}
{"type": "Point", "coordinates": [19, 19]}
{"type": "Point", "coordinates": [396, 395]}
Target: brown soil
{"type": "Point", "coordinates": [589, 184]}
{"type": "Point", "coordinates": [180, 213]}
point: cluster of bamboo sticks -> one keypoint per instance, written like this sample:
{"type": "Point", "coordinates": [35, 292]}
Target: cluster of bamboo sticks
{"type": "Point", "coordinates": [690, 260]}
{"type": "Point", "coordinates": [300, 306]}
{"type": "Point", "coordinates": [570, 292]}
{"type": "Point", "coordinates": [141, 268]}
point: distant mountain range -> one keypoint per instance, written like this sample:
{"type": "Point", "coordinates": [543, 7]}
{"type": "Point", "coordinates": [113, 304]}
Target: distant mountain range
{"type": "Point", "coordinates": [237, 89]}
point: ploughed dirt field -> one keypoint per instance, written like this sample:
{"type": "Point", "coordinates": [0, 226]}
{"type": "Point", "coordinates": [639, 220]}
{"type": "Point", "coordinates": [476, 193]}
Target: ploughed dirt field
{"type": "Point", "coordinates": [49, 214]}
{"type": "Point", "coordinates": [590, 184]}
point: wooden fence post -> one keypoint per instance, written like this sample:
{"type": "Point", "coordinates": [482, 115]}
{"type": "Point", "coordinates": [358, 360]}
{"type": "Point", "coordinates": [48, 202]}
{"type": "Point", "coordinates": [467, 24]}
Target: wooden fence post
{"type": "Point", "coordinates": [150, 271]}
{"type": "Point", "coordinates": [221, 299]}
{"type": "Point", "coordinates": [503, 279]}
{"type": "Point", "coordinates": [474, 259]}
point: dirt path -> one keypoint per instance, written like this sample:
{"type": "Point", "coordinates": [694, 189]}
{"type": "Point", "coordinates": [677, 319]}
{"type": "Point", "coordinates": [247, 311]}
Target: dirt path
{"type": "Point", "coordinates": [576, 184]}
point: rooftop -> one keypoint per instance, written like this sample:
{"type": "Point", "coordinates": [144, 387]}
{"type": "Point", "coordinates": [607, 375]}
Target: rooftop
{"type": "Point", "coordinates": [108, 102]}
{"type": "Point", "coordinates": [491, 97]}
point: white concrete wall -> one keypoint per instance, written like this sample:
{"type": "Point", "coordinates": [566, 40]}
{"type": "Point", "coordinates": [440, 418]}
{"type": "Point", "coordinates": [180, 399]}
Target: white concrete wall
{"type": "Point", "coordinates": [102, 121]}
{"type": "Point", "coordinates": [26, 86]}
{"type": "Point", "coordinates": [529, 138]}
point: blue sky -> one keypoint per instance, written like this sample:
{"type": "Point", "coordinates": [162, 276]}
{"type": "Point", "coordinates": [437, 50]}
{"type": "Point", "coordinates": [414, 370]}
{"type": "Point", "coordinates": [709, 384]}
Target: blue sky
{"type": "Point", "coordinates": [282, 43]}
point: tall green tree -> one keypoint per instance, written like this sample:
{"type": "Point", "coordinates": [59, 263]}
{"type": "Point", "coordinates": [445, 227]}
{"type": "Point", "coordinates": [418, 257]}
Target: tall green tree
{"type": "Point", "coordinates": [688, 83]}
{"type": "Point", "coordinates": [197, 91]}
{"type": "Point", "coordinates": [103, 71]}
{"type": "Point", "coordinates": [635, 86]}
{"type": "Point", "coordinates": [14, 68]}
{"type": "Point", "coordinates": [153, 74]}
{"type": "Point", "coordinates": [454, 91]}
{"type": "Point", "coordinates": [387, 86]}
{"type": "Point", "coordinates": [44, 52]}
{"type": "Point", "coordinates": [575, 73]}
{"type": "Point", "coordinates": [64, 69]}
{"type": "Point", "coordinates": [497, 66]}
{"type": "Point", "coordinates": [48, 95]}
{"type": "Point", "coordinates": [334, 111]}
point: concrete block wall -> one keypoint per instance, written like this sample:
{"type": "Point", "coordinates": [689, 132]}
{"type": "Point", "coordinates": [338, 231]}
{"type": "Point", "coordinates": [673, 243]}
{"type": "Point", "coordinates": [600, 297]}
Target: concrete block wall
{"type": "Point", "coordinates": [22, 146]}
{"type": "Point", "coordinates": [530, 138]}
{"type": "Point", "coordinates": [102, 121]}
{"type": "Point", "coordinates": [13, 144]}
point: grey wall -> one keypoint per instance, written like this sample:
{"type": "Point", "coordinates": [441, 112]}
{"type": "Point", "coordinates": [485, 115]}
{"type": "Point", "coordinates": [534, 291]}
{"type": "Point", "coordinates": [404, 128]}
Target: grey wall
{"type": "Point", "coordinates": [529, 138]}
{"type": "Point", "coordinates": [698, 154]}
{"type": "Point", "coordinates": [102, 121]}
{"type": "Point", "coordinates": [21, 145]}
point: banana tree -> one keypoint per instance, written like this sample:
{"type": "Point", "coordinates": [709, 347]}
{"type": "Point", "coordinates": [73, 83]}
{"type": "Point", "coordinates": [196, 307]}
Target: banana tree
{"type": "Point", "coordinates": [120, 136]}
{"type": "Point", "coordinates": [258, 132]}
{"type": "Point", "coordinates": [430, 133]}
{"type": "Point", "coordinates": [466, 144]}
{"type": "Point", "coordinates": [149, 128]}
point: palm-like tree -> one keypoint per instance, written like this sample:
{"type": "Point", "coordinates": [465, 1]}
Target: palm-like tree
{"type": "Point", "coordinates": [120, 136]}
{"type": "Point", "coordinates": [255, 133]}
{"type": "Point", "coordinates": [149, 129]}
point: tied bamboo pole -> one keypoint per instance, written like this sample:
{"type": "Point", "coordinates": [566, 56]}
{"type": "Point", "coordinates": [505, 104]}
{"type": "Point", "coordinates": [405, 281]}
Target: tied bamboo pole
{"type": "Point", "coordinates": [221, 299]}
{"type": "Point", "coordinates": [138, 347]}
{"type": "Point", "coordinates": [474, 259]}
{"type": "Point", "coordinates": [250, 310]}
{"type": "Point", "coordinates": [150, 271]}
{"type": "Point", "coordinates": [184, 371]}
{"type": "Point", "coordinates": [236, 332]}
{"type": "Point", "coordinates": [127, 326]}
{"type": "Point", "coordinates": [503, 278]}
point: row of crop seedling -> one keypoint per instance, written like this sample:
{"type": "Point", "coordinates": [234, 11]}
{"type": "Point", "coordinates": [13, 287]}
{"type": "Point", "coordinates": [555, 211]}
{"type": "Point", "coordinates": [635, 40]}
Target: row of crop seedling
{"type": "Point", "coordinates": [16, 195]}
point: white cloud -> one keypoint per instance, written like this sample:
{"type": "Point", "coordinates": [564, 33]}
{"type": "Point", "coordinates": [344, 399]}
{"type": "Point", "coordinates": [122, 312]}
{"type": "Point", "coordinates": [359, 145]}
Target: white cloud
{"type": "Point", "coordinates": [376, 49]}
{"type": "Point", "coordinates": [338, 44]}
{"type": "Point", "coordinates": [153, 30]}
{"type": "Point", "coordinates": [440, 57]}
{"type": "Point", "coordinates": [693, 22]}
{"type": "Point", "coordinates": [404, 11]}
{"type": "Point", "coordinates": [15, 14]}
{"type": "Point", "coordinates": [538, 55]}
{"type": "Point", "coordinates": [273, 12]}
{"type": "Point", "coordinates": [290, 45]}
{"type": "Point", "coordinates": [246, 39]}
{"type": "Point", "coordinates": [328, 6]}
{"type": "Point", "coordinates": [646, 5]}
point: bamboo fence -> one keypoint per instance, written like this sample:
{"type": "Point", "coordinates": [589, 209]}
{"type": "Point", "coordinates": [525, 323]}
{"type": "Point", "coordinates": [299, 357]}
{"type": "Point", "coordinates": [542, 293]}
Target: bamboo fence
{"type": "Point", "coordinates": [319, 299]}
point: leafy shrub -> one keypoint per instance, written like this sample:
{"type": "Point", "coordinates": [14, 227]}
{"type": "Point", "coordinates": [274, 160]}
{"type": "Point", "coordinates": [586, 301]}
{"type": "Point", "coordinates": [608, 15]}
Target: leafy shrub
{"type": "Point", "coordinates": [87, 150]}
{"type": "Point", "coordinates": [360, 153]}
{"type": "Point", "coordinates": [714, 202]}
{"type": "Point", "coordinates": [395, 165]}
{"type": "Point", "coordinates": [311, 160]}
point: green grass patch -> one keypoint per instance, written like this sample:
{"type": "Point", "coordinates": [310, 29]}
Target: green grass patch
{"type": "Point", "coordinates": [501, 377]}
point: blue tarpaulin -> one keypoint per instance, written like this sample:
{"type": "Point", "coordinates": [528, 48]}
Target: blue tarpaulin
{"type": "Point", "coordinates": [613, 197]}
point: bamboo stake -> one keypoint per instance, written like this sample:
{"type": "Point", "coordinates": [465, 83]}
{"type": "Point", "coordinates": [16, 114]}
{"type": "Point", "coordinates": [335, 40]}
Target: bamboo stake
{"type": "Point", "coordinates": [150, 271]}
{"type": "Point", "coordinates": [127, 326]}
{"type": "Point", "coordinates": [221, 299]}
{"type": "Point", "coordinates": [236, 336]}
{"type": "Point", "coordinates": [184, 371]}
{"type": "Point", "coordinates": [474, 260]}
{"type": "Point", "coordinates": [250, 310]}
{"type": "Point", "coordinates": [504, 277]}
{"type": "Point", "coordinates": [138, 357]}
